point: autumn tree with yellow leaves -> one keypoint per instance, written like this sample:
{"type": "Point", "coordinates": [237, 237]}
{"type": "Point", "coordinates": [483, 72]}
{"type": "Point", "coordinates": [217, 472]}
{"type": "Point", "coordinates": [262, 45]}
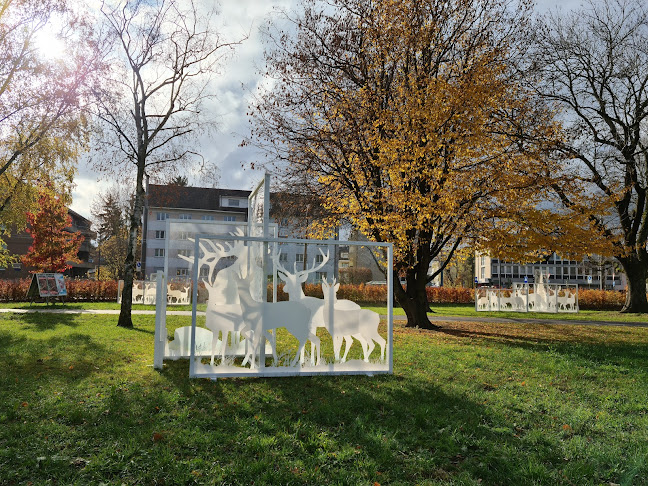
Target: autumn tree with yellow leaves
{"type": "Point", "coordinates": [43, 126]}
{"type": "Point", "coordinates": [407, 119]}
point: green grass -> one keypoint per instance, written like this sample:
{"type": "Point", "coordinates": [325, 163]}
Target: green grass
{"type": "Point", "coordinates": [478, 403]}
{"type": "Point", "coordinates": [463, 310]}
{"type": "Point", "coordinates": [89, 305]}
{"type": "Point", "coordinates": [468, 310]}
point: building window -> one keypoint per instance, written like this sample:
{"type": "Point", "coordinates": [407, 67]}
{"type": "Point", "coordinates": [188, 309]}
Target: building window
{"type": "Point", "coordinates": [182, 272]}
{"type": "Point", "coordinates": [184, 216]}
{"type": "Point", "coordinates": [159, 252]}
{"type": "Point", "coordinates": [185, 253]}
{"type": "Point", "coordinates": [283, 257]}
{"type": "Point", "coordinates": [233, 203]}
{"type": "Point", "coordinates": [159, 234]}
{"type": "Point", "coordinates": [204, 272]}
{"type": "Point", "coordinates": [161, 216]}
{"type": "Point", "coordinates": [319, 258]}
{"type": "Point", "coordinates": [208, 217]}
{"type": "Point", "coordinates": [483, 273]}
{"type": "Point", "coordinates": [299, 257]}
{"type": "Point", "coordinates": [320, 276]}
{"type": "Point", "coordinates": [230, 218]}
{"type": "Point", "coordinates": [184, 235]}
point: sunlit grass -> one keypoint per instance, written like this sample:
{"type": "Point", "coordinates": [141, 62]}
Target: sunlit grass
{"type": "Point", "coordinates": [439, 310]}
{"type": "Point", "coordinates": [478, 403]}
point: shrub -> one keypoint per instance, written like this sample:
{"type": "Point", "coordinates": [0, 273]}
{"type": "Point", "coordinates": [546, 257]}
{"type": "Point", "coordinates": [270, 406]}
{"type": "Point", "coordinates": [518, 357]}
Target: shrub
{"type": "Point", "coordinates": [14, 290]}
{"type": "Point", "coordinates": [600, 299]}
{"type": "Point", "coordinates": [77, 290]}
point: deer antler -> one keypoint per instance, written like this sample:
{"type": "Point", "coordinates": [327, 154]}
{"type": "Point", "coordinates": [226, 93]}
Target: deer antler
{"type": "Point", "coordinates": [314, 268]}
{"type": "Point", "coordinates": [275, 259]}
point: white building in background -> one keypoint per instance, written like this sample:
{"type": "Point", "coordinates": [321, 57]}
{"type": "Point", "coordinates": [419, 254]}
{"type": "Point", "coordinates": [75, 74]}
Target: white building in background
{"type": "Point", "coordinates": [587, 273]}
{"type": "Point", "coordinates": [210, 204]}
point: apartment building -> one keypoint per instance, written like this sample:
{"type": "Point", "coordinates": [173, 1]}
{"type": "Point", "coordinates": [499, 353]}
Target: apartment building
{"type": "Point", "coordinates": [223, 206]}
{"type": "Point", "coordinates": [588, 273]}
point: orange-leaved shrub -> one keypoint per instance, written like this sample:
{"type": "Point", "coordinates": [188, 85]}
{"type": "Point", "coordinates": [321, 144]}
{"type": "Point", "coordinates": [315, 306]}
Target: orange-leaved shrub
{"type": "Point", "coordinates": [14, 290]}
{"type": "Point", "coordinates": [600, 299]}
{"type": "Point", "coordinates": [77, 290]}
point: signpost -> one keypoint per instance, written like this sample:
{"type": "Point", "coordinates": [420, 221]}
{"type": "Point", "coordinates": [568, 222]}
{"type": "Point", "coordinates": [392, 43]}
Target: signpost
{"type": "Point", "coordinates": [47, 285]}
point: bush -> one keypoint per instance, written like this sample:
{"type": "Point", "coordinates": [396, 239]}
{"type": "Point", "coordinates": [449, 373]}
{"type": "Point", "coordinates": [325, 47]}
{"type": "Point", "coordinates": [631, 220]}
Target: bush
{"type": "Point", "coordinates": [77, 290]}
{"type": "Point", "coordinates": [91, 290]}
{"type": "Point", "coordinates": [450, 295]}
{"type": "Point", "coordinates": [14, 290]}
{"type": "Point", "coordinates": [600, 299]}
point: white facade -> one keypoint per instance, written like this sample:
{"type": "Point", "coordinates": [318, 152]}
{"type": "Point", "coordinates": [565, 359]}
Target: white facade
{"type": "Point", "coordinates": [588, 273]}
{"type": "Point", "coordinates": [211, 205]}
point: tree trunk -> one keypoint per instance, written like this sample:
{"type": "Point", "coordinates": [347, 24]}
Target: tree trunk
{"type": "Point", "coordinates": [125, 319]}
{"type": "Point", "coordinates": [636, 271]}
{"type": "Point", "coordinates": [415, 304]}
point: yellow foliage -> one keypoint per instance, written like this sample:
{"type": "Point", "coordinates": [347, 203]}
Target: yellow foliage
{"type": "Point", "coordinates": [425, 138]}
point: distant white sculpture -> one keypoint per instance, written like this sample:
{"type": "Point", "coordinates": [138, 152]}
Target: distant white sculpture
{"type": "Point", "coordinates": [178, 296]}
{"type": "Point", "coordinates": [542, 297]}
{"type": "Point", "coordinates": [361, 324]}
{"type": "Point", "coordinates": [143, 292]}
{"type": "Point", "coordinates": [567, 302]}
{"type": "Point", "coordinates": [540, 292]}
{"type": "Point", "coordinates": [138, 293]}
{"type": "Point", "coordinates": [261, 317]}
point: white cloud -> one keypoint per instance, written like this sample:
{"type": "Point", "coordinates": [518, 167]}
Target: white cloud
{"type": "Point", "coordinates": [239, 77]}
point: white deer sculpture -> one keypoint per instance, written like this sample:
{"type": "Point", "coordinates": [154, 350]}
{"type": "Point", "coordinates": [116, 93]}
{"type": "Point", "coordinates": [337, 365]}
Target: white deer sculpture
{"type": "Point", "coordinates": [223, 315]}
{"type": "Point", "coordinates": [361, 324]}
{"type": "Point", "coordinates": [261, 317]}
{"type": "Point", "coordinates": [293, 287]}
{"type": "Point", "coordinates": [178, 296]}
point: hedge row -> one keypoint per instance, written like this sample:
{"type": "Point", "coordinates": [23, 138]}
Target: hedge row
{"type": "Point", "coordinates": [377, 294]}
{"type": "Point", "coordinates": [77, 290]}
{"type": "Point", "coordinates": [97, 291]}
{"type": "Point", "coordinates": [600, 299]}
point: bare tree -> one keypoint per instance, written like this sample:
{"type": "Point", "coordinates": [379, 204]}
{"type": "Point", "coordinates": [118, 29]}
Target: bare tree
{"type": "Point", "coordinates": [593, 64]}
{"type": "Point", "coordinates": [167, 52]}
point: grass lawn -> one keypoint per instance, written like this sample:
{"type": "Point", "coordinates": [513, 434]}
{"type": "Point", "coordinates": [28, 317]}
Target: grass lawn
{"type": "Point", "coordinates": [478, 403]}
{"type": "Point", "coordinates": [464, 310]}
{"type": "Point", "coordinates": [468, 310]}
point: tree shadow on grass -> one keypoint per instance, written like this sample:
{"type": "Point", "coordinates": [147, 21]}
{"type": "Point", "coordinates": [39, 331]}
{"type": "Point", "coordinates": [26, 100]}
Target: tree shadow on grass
{"type": "Point", "coordinates": [600, 345]}
{"type": "Point", "coordinates": [42, 321]}
{"type": "Point", "coordinates": [355, 429]}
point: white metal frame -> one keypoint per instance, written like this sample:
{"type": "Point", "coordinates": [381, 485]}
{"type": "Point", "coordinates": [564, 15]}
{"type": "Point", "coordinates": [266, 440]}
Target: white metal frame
{"type": "Point", "coordinates": [199, 370]}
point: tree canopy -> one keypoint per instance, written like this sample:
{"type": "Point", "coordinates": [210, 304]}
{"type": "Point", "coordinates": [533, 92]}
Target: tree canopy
{"type": "Point", "coordinates": [42, 122]}
{"type": "Point", "coordinates": [53, 247]}
{"type": "Point", "coordinates": [408, 119]}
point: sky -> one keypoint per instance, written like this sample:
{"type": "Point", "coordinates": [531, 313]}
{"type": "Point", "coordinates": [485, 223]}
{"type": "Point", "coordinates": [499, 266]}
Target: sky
{"type": "Point", "coordinates": [240, 77]}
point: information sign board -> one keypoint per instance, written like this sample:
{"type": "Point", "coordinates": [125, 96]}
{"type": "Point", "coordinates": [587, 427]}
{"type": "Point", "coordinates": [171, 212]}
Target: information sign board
{"type": "Point", "coordinates": [47, 285]}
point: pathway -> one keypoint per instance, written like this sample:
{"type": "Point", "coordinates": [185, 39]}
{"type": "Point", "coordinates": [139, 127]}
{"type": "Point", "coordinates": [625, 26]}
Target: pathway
{"type": "Point", "coordinates": [432, 317]}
